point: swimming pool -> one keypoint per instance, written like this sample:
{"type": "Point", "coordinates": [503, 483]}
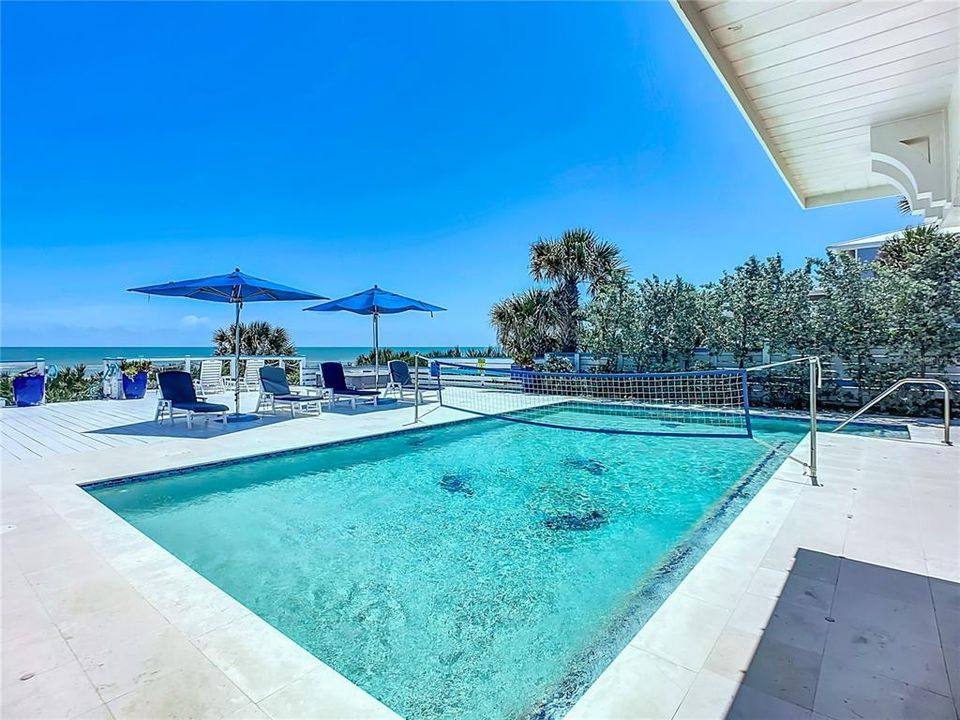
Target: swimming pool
{"type": "Point", "coordinates": [481, 569]}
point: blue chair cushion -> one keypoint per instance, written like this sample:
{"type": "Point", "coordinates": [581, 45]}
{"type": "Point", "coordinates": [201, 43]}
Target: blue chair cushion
{"type": "Point", "coordinates": [333, 376]}
{"type": "Point", "coordinates": [399, 372]}
{"type": "Point", "coordinates": [177, 387]}
{"type": "Point", "coordinates": [274, 381]}
{"type": "Point", "coordinates": [334, 379]}
{"type": "Point", "coordinates": [200, 407]}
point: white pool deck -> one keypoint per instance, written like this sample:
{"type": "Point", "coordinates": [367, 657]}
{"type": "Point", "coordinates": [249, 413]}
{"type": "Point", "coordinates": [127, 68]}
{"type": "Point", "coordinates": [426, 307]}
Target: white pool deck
{"type": "Point", "coordinates": [827, 602]}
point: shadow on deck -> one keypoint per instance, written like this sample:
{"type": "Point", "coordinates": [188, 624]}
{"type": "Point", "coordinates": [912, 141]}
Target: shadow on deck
{"type": "Point", "coordinates": [849, 639]}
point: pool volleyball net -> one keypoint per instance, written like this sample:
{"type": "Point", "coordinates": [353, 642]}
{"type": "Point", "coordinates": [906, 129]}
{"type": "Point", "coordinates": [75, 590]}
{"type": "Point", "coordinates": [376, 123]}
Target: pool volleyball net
{"type": "Point", "coordinates": [710, 403]}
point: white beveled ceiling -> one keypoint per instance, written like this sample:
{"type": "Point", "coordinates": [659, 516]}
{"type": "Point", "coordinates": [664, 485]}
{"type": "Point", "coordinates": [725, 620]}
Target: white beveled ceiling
{"type": "Point", "coordinates": [812, 77]}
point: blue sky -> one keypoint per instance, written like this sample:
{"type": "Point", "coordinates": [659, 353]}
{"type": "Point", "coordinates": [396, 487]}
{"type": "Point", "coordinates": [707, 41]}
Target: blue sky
{"type": "Point", "coordinates": [333, 146]}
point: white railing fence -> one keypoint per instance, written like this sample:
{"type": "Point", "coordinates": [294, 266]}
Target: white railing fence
{"type": "Point", "coordinates": [16, 367]}
{"type": "Point", "coordinates": [191, 364]}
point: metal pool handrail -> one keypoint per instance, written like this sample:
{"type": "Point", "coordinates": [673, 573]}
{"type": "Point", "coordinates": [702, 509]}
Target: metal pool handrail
{"type": "Point", "coordinates": [900, 383]}
{"type": "Point", "coordinates": [816, 379]}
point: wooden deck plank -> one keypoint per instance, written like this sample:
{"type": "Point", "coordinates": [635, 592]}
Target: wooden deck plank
{"type": "Point", "coordinates": [85, 426]}
{"type": "Point", "coordinates": [14, 449]}
{"type": "Point", "coordinates": [72, 429]}
{"type": "Point", "coordinates": [45, 426]}
{"type": "Point", "coordinates": [16, 438]}
{"type": "Point", "coordinates": [102, 440]}
{"type": "Point", "coordinates": [52, 440]}
{"type": "Point", "coordinates": [8, 456]}
{"type": "Point", "coordinates": [118, 409]}
{"type": "Point", "coordinates": [93, 421]}
{"type": "Point", "coordinates": [101, 417]}
{"type": "Point", "coordinates": [58, 428]}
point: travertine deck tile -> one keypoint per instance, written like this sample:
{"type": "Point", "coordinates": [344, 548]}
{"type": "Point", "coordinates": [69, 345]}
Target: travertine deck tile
{"type": "Point", "coordinates": [62, 692]}
{"type": "Point", "coordinates": [323, 694]}
{"type": "Point", "coordinates": [200, 691]}
{"type": "Point", "coordinates": [642, 682]}
{"type": "Point", "coordinates": [683, 630]}
{"type": "Point", "coordinates": [258, 658]}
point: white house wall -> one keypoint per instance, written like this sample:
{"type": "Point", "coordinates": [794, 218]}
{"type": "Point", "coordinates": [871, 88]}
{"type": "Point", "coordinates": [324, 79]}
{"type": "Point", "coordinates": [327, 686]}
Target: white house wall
{"type": "Point", "coordinates": [953, 144]}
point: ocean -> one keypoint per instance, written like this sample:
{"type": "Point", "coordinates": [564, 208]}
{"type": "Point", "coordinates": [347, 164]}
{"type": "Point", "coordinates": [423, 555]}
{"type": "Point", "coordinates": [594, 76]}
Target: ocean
{"type": "Point", "coordinates": [92, 356]}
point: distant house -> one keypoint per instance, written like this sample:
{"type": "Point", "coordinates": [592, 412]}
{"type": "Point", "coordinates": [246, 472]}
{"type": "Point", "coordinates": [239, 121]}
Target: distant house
{"type": "Point", "coordinates": [864, 249]}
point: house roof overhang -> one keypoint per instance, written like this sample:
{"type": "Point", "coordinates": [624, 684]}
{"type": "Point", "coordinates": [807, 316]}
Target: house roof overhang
{"type": "Point", "coordinates": [850, 100]}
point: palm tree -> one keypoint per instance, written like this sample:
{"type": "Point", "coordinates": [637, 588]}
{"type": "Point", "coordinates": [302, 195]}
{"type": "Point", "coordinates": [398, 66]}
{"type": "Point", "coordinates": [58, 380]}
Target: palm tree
{"type": "Point", "coordinates": [256, 338]}
{"type": "Point", "coordinates": [527, 324]}
{"type": "Point", "coordinates": [578, 256]}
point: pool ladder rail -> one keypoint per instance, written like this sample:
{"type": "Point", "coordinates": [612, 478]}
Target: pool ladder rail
{"type": "Point", "coordinates": [897, 385]}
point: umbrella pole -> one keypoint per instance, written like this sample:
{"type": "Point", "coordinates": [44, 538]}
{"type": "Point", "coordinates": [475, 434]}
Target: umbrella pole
{"type": "Point", "coordinates": [236, 364]}
{"type": "Point", "coordinates": [376, 351]}
{"type": "Point", "coordinates": [237, 416]}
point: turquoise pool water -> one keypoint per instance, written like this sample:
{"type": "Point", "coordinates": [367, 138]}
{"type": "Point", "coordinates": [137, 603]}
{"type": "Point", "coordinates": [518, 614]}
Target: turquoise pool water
{"type": "Point", "coordinates": [485, 569]}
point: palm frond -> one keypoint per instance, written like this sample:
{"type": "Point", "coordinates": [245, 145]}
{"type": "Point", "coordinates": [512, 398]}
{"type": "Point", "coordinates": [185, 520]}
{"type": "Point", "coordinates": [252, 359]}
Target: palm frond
{"type": "Point", "coordinates": [256, 338]}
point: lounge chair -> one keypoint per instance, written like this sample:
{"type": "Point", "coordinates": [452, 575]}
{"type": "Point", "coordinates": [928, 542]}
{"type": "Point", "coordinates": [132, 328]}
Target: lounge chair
{"type": "Point", "coordinates": [211, 377]}
{"type": "Point", "coordinates": [177, 393]}
{"type": "Point", "coordinates": [401, 380]}
{"type": "Point", "coordinates": [335, 381]}
{"type": "Point", "coordinates": [274, 389]}
{"type": "Point", "coordinates": [251, 374]}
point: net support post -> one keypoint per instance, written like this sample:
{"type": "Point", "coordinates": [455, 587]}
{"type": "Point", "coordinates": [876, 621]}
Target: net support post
{"type": "Point", "coordinates": [946, 415]}
{"type": "Point", "coordinates": [746, 404]}
{"type": "Point", "coordinates": [416, 388]}
{"type": "Point", "coordinates": [814, 382]}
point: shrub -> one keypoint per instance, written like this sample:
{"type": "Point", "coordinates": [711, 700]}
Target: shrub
{"type": "Point", "coordinates": [132, 368]}
{"type": "Point", "coordinates": [73, 383]}
{"type": "Point", "coordinates": [6, 388]}
{"type": "Point", "coordinates": [896, 317]}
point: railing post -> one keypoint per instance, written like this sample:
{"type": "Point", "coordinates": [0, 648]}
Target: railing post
{"type": "Point", "coordinates": [186, 363]}
{"type": "Point", "coordinates": [42, 369]}
{"type": "Point", "coordinates": [814, 381]}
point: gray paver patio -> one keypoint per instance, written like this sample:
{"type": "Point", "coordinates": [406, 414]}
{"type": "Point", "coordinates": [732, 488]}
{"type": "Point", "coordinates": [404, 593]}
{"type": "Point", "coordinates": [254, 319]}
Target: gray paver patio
{"type": "Point", "coordinates": [882, 651]}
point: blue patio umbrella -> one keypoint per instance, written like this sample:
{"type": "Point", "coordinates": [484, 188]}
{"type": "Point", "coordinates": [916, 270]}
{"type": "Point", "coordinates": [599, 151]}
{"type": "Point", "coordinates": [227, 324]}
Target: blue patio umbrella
{"type": "Point", "coordinates": [235, 288]}
{"type": "Point", "coordinates": [376, 302]}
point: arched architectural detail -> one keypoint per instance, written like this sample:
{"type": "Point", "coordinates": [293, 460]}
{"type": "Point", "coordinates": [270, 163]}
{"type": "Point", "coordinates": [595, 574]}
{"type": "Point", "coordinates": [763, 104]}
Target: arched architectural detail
{"type": "Point", "coordinates": [911, 155]}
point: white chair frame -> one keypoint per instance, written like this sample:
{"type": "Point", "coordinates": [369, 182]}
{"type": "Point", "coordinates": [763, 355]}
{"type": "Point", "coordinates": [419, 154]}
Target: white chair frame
{"type": "Point", "coordinates": [211, 377]}
{"type": "Point", "coordinates": [269, 399]}
{"type": "Point", "coordinates": [396, 387]}
{"type": "Point", "coordinates": [352, 399]}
